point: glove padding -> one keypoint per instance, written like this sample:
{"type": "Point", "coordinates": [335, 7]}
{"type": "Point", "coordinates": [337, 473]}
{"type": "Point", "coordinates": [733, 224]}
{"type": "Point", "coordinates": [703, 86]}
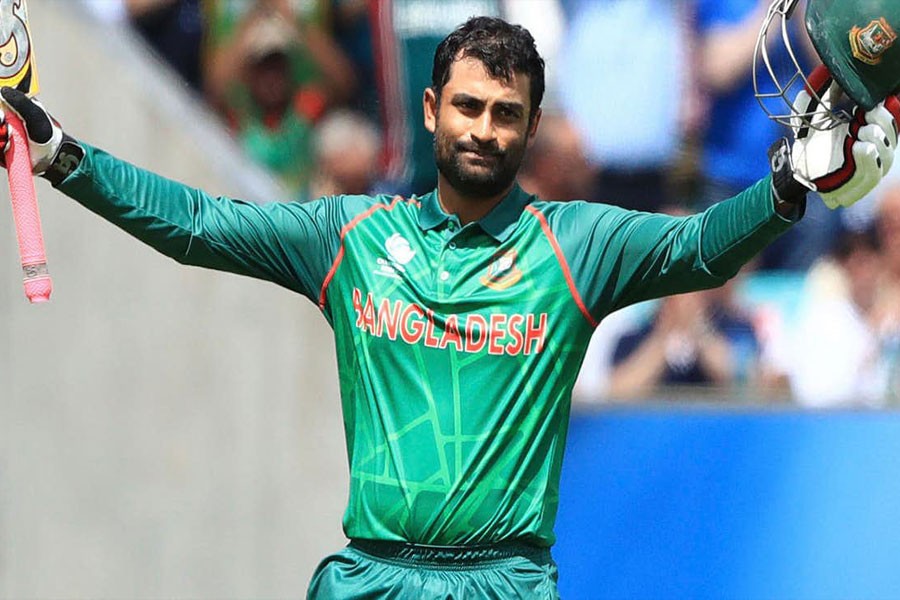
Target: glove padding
{"type": "Point", "coordinates": [846, 162]}
{"type": "Point", "coordinates": [44, 133]}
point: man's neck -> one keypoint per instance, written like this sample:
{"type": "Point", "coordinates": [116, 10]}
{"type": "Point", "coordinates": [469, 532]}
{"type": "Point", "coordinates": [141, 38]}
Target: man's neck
{"type": "Point", "coordinates": [466, 208]}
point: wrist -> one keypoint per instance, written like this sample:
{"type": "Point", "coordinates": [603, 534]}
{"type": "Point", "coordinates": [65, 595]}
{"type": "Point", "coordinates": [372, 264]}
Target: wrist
{"type": "Point", "coordinates": [788, 194]}
{"type": "Point", "coordinates": [67, 158]}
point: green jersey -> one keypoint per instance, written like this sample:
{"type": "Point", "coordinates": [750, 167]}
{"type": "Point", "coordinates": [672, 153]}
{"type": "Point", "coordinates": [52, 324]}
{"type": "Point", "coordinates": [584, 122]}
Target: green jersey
{"type": "Point", "coordinates": [457, 345]}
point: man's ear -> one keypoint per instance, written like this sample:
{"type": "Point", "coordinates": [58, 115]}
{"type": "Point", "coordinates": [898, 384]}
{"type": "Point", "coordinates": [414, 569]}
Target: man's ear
{"type": "Point", "coordinates": [533, 127]}
{"type": "Point", "coordinates": [430, 106]}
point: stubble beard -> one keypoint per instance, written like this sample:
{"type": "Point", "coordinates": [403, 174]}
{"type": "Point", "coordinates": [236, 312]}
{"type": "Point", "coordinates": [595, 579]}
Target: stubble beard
{"type": "Point", "coordinates": [471, 183]}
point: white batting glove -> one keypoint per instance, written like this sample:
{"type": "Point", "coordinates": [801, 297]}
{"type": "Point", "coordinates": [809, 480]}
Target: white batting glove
{"type": "Point", "coordinates": [843, 164]}
{"type": "Point", "coordinates": [44, 133]}
{"type": "Point", "coordinates": [54, 155]}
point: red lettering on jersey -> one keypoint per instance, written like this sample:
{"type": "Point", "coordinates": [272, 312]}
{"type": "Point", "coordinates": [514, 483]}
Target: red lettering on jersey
{"type": "Point", "coordinates": [430, 340]}
{"type": "Point", "coordinates": [389, 319]}
{"type": "Point", "coordinates": [534, 335]}
{"type": "Point", "coordinates": [514, 328]}
{"type": "Point", "coordinates": [473, 344]}
{"type": "Point", "coordinates": [501, 334]}
{"type": "Point", "coordinates": [411, 330]}
{"type": "Point", "coordinates": [497, 333]}
{"type": "Point", "coordinates": [357, 306]}
{"type": "Point", "coordinates": [451, 333]}
{"type": "Point", "coordinates": [369, 315]}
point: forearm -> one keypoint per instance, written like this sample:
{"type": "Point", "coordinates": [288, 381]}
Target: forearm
{"type": "Point", "coordinates": [738, 228]}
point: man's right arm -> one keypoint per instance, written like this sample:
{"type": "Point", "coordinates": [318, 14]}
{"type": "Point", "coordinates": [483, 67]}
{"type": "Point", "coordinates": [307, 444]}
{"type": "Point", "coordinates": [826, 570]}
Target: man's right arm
{"type": "Point", "coordinates": [291, 244]}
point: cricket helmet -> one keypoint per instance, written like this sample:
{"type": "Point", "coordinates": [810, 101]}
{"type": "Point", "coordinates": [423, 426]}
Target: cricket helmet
{"type": "Point", "coordinates": [857, 42]}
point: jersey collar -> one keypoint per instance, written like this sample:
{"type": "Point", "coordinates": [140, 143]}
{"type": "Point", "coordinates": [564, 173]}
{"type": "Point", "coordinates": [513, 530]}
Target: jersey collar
{"type": "Point", "coordinates": [499, 223]}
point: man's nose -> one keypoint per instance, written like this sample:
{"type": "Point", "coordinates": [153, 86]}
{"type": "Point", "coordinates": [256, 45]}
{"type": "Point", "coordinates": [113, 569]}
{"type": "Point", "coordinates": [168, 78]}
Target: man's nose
{"type": "Point", "coordinates": [483, 128]}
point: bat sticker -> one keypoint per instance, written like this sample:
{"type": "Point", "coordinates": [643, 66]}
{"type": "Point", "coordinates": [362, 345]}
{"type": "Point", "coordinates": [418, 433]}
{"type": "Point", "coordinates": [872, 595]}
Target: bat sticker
{"type": "Point", "coordinates": [16, 55]}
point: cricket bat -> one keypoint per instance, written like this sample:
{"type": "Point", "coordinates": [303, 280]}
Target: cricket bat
{"type": "Point", "coordinates": [17, 69]}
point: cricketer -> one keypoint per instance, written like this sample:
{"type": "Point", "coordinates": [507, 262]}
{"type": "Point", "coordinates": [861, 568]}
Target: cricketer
{"type": "Point", "coordinates": [461, 317]}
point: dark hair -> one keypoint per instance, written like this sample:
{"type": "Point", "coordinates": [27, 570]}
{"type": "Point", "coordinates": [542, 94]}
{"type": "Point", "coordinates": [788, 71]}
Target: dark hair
{"type": "Point", "coordinates": [502, 48]}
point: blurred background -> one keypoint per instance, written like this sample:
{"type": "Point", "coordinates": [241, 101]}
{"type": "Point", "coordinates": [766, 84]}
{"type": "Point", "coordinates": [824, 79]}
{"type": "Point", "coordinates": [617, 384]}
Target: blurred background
{"type": "Point", "coordinates": [172, 432]}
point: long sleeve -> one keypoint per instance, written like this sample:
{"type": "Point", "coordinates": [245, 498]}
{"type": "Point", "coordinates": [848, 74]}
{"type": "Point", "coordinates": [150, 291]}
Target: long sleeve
{"type": "Point", "coordinates": [619, 257]}
{"type": "Point", "coordinates": [291, 244]}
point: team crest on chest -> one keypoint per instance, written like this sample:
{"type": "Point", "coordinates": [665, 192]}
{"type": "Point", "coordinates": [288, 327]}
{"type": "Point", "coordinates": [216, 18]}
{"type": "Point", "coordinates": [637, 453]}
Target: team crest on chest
{"type": "Point", "coordinates": [869, 43]}
{"type": "Point", "coordinates": [503, 272]}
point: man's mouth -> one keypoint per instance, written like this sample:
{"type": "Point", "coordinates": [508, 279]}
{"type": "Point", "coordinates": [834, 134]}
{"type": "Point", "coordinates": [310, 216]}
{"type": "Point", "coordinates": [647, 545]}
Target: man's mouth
{"type": "Point", "coordinates": [483, 155]}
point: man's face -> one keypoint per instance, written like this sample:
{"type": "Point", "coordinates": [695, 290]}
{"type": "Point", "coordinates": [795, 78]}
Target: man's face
{"type": "Point", "coordinates": [480, 129]}
{"type": "Point", "coordinates": [269, 81]}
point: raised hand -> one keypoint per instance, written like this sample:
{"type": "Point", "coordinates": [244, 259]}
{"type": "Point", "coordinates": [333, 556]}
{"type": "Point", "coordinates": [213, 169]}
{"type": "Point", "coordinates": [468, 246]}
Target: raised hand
{"type": "Point", "coordinates": [842, 163]}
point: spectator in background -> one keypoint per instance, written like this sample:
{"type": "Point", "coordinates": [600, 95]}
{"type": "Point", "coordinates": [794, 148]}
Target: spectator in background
{"type": "Point", "coordinates": [839, 311]}
{"type": "Point", "coordinates": [887, 223]}
{"type": "Point", "coordinates": [270, 112]}
{"type": "Point", "coordinates": [556, 167]}
{"type": "Point", "coordinates": [272, 120]}
{"type": "Point", "coordinates": [317, 65]}
{"type": "Point", "coordinates": [734, 156]}
{"type": "Point", "coordinates": [633, 119]}
{"type": "Point", "coordinates": [347, 153]}
{"type": "Point", "coordinates": [693, 340]}
{"type": "Point", "coordinates": [887, 304]}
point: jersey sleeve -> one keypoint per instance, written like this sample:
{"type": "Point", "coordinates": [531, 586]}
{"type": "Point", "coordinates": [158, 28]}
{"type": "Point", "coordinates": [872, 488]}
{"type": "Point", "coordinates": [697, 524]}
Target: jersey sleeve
{"type": "Point", "coordinates": [289, 243]}
{"type": "Point", "coordinates": [619, 257]}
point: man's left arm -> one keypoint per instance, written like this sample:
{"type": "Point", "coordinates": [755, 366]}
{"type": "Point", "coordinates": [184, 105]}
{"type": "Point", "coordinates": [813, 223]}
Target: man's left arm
{"type": "Point", "coordinates": [620, 257]}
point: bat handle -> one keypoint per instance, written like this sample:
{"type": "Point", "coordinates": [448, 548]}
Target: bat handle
{"type": "Point", "coordinates": [25, 213]}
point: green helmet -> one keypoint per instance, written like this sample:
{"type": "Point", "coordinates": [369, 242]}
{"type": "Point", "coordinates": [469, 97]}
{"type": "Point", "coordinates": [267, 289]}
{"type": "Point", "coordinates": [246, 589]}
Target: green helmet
{"type": "Point", "coordinates": [855, 39]}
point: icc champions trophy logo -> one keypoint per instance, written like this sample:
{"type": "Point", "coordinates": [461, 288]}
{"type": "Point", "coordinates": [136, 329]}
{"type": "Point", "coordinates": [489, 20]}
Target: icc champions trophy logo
{"type": "Point", "coordinates": [16, 60]}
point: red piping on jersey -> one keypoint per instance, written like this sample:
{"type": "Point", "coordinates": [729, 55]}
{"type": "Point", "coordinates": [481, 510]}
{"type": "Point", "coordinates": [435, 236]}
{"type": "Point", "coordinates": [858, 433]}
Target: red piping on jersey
{"type": "Point", "coordinates": [345, 230]}
{"type": "Point", "coordinates": [567, 273]}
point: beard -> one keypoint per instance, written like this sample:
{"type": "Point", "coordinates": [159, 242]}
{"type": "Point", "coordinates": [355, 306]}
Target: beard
{"type": "Point", "coordinates": [472, 181]}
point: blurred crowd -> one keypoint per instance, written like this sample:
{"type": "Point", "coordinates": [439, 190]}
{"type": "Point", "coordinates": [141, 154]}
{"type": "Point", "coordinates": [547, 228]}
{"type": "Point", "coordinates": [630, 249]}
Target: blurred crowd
{"type": "Point", "coordinates": [650, 105]}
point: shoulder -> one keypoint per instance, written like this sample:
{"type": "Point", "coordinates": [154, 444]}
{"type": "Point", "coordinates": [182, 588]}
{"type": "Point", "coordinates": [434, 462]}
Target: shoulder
{"type": "Point", "coordinates": [350, 210]}
{"type": "Point", "coordinates": [579, 217]}
{"type": "Point", "coordinates": [571, 209]}
{"type": "Point", "coordinates": [358, 203]}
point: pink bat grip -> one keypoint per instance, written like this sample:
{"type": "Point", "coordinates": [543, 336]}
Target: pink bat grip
{"type": "Point", "coordinates": [25, 213]}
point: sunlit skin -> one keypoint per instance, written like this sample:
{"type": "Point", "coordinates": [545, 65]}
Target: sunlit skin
{"type": "Point", "coordinates": [481, 133]}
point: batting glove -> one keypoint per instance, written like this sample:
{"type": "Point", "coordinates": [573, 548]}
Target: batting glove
{"type": "Point", "coordinates": [844, 163]}
{"type": "Point", "coordinates": [54, 155]}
